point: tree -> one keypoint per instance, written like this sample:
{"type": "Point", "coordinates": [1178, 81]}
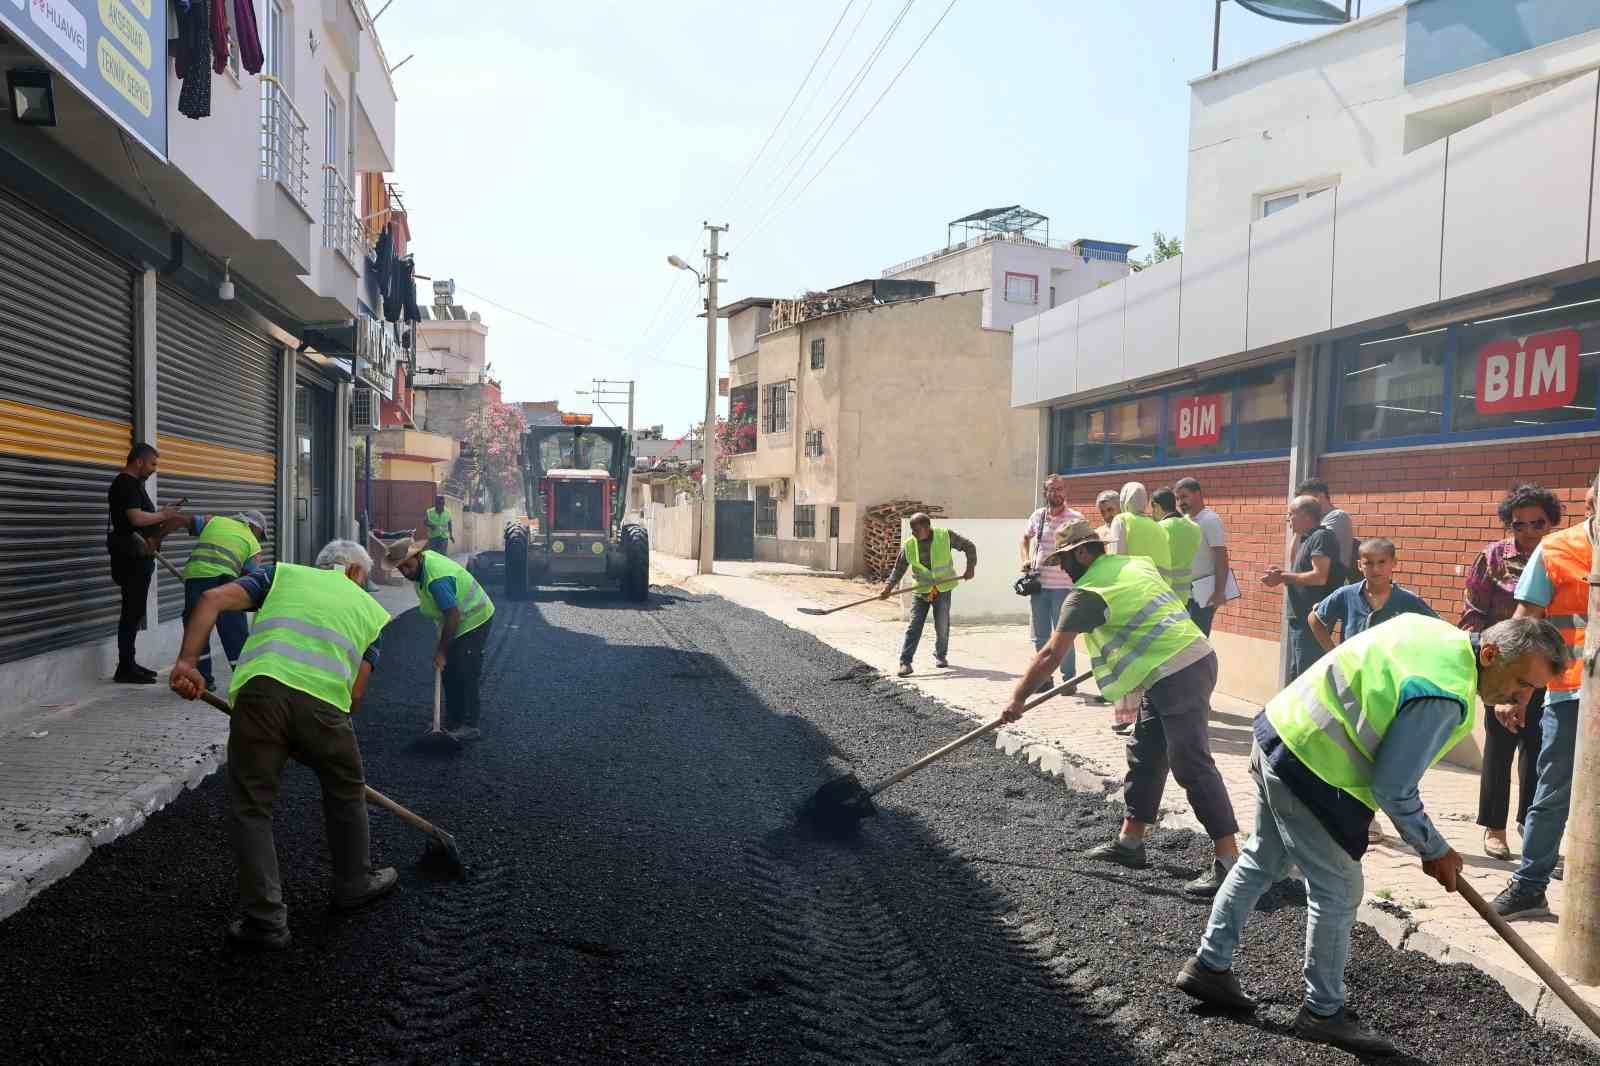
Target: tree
{"type": "Point", "coordinates": [1162, 248]}
{"type": "Point", "coordinates": [494, 436]}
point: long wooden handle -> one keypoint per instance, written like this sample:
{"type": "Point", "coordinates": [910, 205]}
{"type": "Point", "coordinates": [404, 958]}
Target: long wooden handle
{"type": "Point", "coordinates": [1546, 973]}
{"type": "Point", "coordinates": [438, 688]}
{"type": "Point", "coordinates": [978, 733]}
{"type": "Point", "coordinates": [869, 599]}
{"type": "Point", "coordinates": [173, 570]}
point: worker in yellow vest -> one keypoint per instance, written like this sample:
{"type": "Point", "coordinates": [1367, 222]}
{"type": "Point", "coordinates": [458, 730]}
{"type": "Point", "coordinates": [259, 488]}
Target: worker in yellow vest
{"type": "Point", "coordinates": [1183, 541]}
{"type": "Point", "coordinates": [227, 548]}
{"type": "Point", "coordinates": [1352, 734]}
{"type": "Point", "coordinates": [463, 613]}
{"type": "Point", "coordinates": [301, 676]}
{"type": "Point", "coordinates": [1134, 532]}
{"type": "Point", "coordinates": [927, 554]}
{"type": "Point", "coordinates": [441, 529]}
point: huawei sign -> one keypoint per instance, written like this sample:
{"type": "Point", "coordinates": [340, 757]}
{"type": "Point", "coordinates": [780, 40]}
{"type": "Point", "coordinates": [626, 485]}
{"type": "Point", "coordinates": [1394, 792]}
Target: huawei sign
{"type": "Point", "coordinates": [1528, 374]}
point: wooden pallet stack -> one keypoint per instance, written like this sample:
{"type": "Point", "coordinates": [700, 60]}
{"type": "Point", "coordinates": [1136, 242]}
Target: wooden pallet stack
{"type": "Point", "coordinates": [881, 545]}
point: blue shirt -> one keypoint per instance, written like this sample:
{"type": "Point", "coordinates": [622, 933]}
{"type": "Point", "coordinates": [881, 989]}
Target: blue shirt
{"type": "Point", "coordinates": [1535, 587]}
{"type": "Point", "coordinates": [258, 582]}
{"type": "Point", "coordinates": [443, 589]}
{"type": "Point", "coordinates": [1348, 607]}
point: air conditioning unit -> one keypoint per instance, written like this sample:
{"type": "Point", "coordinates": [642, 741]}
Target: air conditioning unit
{"type": "Point", "coordinates": [365, 410]}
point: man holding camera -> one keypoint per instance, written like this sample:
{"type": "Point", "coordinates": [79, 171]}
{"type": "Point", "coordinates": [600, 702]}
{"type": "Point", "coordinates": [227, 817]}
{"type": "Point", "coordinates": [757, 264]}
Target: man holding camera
{"type": "Point", "coordinates": [1047, 586]}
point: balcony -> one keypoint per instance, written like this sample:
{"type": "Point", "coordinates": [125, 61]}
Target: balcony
{"type": "Point", "coordinates": [961, 246]}
{"type": "Point", "coordinates": [285, 146]}
{"type": "Point", "coordinates": [341, 224]}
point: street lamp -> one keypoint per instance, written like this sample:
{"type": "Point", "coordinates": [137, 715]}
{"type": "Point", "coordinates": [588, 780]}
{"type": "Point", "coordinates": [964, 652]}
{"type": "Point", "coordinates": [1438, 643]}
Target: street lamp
{"type": "Point", "coordinates": [708, 476]}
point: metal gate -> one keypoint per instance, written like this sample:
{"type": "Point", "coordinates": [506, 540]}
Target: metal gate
{"type": "Point", "coordinates": [217, 423]}
{"type": "Point", "coordinates": [736, 530]}
{"type": "Point", "coordinates": [66, 416]}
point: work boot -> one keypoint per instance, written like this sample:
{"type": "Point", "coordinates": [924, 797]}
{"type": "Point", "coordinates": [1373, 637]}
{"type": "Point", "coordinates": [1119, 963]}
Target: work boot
{"type": "Point", "coordinates": [1520, 901]}
{"type": "Point", "coordinates": [145, 670]}
{"type": "Point", "coordinates": [1208, 883]}
{"type": "Point", "coordinates": [941, 662]}
{"type": "Point", "coordinates": [249, 934]}
{"type": "Point", "coordinates": [904, 671]}
{"type": "Point", "coordinates": [1131, 856]}
{"type": "Point", "coordinates": [1219, 988]}
{"type": "Point", "coordinates": [130, 675]}
{"type": "Point", "coordinates": [371, 886]}
{"type": "Point", "coordinates": [1342, 1030]}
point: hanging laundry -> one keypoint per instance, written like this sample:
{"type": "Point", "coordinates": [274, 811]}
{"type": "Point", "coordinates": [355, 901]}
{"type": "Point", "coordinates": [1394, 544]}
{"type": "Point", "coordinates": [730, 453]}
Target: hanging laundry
{"type": "Point", "coordinates": [393, 295]}
{"type": "Point", "coordinates": [407, 270]}
{"type": "Point", "coordinates": [244, 27]}
{"type": "Point", "coordinates": [383, 260]}
{"type": "Point", "coordinates": [219, 35]}
{"type": "Point", "coordinates": [194, 48]}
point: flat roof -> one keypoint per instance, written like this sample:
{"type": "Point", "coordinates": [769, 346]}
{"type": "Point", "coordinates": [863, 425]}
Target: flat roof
{"type": "Point", "coordinates": [729, 310]}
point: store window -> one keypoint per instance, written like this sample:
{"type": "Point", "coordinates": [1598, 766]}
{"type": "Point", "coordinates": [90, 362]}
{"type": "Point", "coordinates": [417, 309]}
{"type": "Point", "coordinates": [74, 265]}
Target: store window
{"type": "Point", "coordinates": [1133, 431]}
{"type": "Point", "coordinates": [1264, 402]}
{"type": "Point", "coordinates": [1518, 374]}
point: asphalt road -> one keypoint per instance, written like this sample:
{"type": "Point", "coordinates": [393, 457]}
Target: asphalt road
{"type": "Point", "coordinates": [637, 893]}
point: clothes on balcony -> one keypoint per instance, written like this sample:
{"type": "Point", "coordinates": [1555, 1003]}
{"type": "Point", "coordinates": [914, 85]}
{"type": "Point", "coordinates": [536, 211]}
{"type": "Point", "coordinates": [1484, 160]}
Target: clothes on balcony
{"type": "Point", "coordinates": [244, 27]}
{"type": "Point", "coordinates": [408, 297]}
{"type": "Point", "coordinates": [191, 59]}
{"type": "Point", "coordinates": [219, 36]}
{"type": "Point", "coordinates": [383, 262]}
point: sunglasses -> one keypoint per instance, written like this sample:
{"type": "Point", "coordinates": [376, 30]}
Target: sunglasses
{"type": "Point", "coordinates": [1537, 523]}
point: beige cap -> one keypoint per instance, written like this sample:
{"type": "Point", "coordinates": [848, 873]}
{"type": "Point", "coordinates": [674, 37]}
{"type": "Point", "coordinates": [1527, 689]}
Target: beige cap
{"type": "Point", "coordinates": [1072, 535]}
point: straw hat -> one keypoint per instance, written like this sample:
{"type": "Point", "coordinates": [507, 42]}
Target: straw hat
{"type": "Point", "coordinates": [401, 550]}
{"type": "Point", "coordinates": [1072, 535]}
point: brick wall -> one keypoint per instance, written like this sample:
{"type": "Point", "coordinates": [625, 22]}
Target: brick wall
{"type": "Point", "coordinates": [1252, 499]}
{"type": "Point", "coordinates": [1438, 505]}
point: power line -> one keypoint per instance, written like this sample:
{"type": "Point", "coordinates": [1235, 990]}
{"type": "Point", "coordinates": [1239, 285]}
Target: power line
{"type": "Point", "coordinates": [601, 345]}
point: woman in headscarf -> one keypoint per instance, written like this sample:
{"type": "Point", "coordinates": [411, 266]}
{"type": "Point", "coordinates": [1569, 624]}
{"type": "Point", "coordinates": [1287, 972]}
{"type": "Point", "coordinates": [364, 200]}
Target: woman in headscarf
{"type": "Point", "coordinates": [1133, 532]}
{"type": "Point", "coordinates": [1109, 504]}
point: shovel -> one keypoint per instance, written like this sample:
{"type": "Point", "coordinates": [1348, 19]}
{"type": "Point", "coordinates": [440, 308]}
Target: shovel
{"type": "Point", "coordinates": [858, 603]}
{"type": "Point", "coordinates": [839, 806]}
{"type": "Point", "coordinates": [437, 740]}
{"type": "Point", "coordinates": [1546, 973]}
{"type": "Point", "coordinates": [441, 854]}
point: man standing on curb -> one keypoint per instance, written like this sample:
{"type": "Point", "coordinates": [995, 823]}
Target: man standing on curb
{"type": "Point", "coordinates": [1038, 540]}
{"type": "Point", "coordinates": [300, 678]}
{"type": "Point", "coordinates": [464, 614]}
{"type": "Point", "coordinates": [927, 554]}
{"type": "Point", "coordinates": [1142, 643]}
{"type": "Point", "coordinates": [1356, 732]}
{"type": "Point", "coordinates": [226, 549]}
{"type": "Point", "coordinates": [1316, 574]}
{"type": "Point", "coordinates": [134, 524]}
{"type": "Point", "coordinates": [1211, 560]}
{"type": "Point", "coordinates": [441, 528]}
{"type": "Point", "coordinates": [1184, 540]}
{"type": "Point", "coordinates": [1335, 520]}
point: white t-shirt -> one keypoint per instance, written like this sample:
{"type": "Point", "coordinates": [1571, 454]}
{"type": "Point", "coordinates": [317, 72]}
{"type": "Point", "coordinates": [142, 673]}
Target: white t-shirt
{"type": "Point", "coordinates": [1215, 537]}
{"type": "Point", "coordinates": [1050, 577]}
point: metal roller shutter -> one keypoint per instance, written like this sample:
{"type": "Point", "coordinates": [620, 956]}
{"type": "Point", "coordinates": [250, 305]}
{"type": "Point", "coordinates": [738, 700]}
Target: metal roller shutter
{"type": "Point", "coordinates": [217, 414]}
{"type": "Point", "coordinates": [66, 411]}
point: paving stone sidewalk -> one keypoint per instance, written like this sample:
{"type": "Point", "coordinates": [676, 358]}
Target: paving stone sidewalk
{"type": "Point", "coordinates": [76, 775]}
{"type": "Point", "coordinates": [1072, 739]}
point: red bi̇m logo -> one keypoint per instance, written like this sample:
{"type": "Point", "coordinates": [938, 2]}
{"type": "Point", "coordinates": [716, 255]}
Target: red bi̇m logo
{"type": "Point", "coordinates": [1528, 374]}
{"type": "Point", "coordinates": [1197, 420]}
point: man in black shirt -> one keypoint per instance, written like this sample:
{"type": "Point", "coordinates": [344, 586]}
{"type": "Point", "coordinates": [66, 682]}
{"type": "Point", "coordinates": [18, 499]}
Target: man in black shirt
{"type": "Point", "coordinates": [1317, 573]}
{"type": "Point", "coordinates": [134, 524]}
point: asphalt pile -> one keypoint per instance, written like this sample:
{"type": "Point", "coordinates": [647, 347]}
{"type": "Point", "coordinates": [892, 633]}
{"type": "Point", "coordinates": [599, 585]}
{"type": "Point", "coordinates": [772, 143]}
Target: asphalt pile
{"type": "Point", "coordinates": [638, 891]}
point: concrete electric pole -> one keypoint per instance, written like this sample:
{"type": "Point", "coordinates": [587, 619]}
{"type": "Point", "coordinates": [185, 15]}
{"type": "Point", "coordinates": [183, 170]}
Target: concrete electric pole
{"type": "Point", "coordinates": [1578, 942]}
{"type": "Point", "coordinates": [708, 435]}
{"type": "Point", "coordinates": [612, 392]}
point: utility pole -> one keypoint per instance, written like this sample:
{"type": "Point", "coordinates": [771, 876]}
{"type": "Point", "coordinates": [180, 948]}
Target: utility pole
{"type": "Point", "coordinates": [708, 464]}
{"type": "Point", "coordinates": [613, 392]}
{"type": "Point", "coordinates": [1578, 939]}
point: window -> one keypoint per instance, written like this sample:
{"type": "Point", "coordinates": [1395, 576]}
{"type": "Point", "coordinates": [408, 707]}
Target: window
{"type": "Point", "coordinates": [833, 522]}
{"type": "Point", "coordinates": [775, 412]}
{"type": "Point", "coordinates": [1240, 415]}
{"type": "Point", "coordinates": [805, 521]}
{"type": "Point", "coordinates": [813, 442]}
{"type": "Point", "coordinates": [1518, 374]}
{"type": "Point", "coordinates": [818, 358]}
{"type": "Point", "coordinates": [330, 131]}
{"type": "Point", "coordinates": [742, 419]}
{"type": "Point", "coordinates": [1022, 288]}
{"type": "Point", "coordinates": [1269, 204]}
{"type": "Point", "coordinates": [766, 512]}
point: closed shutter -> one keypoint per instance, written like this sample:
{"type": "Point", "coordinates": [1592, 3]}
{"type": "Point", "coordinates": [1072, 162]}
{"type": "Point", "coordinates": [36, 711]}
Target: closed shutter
{"type": "Point", "coordinates": [217, 420]}
{"type": "Point", "coordinates": [66, 416]}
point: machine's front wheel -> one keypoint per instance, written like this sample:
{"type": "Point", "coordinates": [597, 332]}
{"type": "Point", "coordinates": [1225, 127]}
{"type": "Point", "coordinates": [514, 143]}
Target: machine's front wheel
{"type": "Point", "coordinates": [636, 575]}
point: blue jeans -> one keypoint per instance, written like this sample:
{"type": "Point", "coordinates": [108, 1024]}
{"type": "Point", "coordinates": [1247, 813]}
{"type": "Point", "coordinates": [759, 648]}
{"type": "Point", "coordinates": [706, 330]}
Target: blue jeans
{"type": "Point", "coordinates": [1303, 651]}
{"type": "Point", "coordinates": [1046, 608]}
{"type": "Point", "coordinates": [1547, 814]}
{"type": "Point", "coordinates": [919, 617]}
{"type": "Point", "coordinates": [1286, 832]}
{"type": "Point", "coordinates": [1201, 616]}
{"type": "Point", "coordinates": [231, 626]}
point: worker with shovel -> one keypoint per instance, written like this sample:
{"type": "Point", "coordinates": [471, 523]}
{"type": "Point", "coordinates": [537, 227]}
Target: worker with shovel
{"type": "Point", "coordinates": [226, 548]}
{"type": "Point", "coordinates": [441, 530]}
{"type": "Point", "coordinates": [463, 612]}
{"type": "Point", "coordinates": [1144, 644]}
{"type": "Point", "coordinates": [1354, 733]}
{"type": "Point", "coordinates": [301, 675]}
{"type": "Point", "coordinates": [927, 554]}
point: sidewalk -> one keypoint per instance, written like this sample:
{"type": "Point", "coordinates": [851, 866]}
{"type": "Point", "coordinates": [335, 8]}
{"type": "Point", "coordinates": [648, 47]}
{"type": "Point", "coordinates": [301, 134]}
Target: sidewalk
{"type": "Point", "coordinates": [1072, 739]}
{"type": "Point", "coordinates": [77, 775]}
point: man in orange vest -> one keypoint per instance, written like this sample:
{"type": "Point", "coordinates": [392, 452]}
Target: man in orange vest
{"type": "Point", "coordinates": [1554, 586]}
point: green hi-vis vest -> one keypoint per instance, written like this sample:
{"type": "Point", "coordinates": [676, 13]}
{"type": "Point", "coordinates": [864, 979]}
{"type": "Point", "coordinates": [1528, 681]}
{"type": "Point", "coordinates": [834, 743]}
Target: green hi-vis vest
{"type": "Point", "coordinates": [1146, 623]}
{"type": "Point", "coordinates": [940, 575]}
{"type": "Point", "coordinates": [225, 545]}
{"type": "Point", "coordinates": [1183, 541]}
{"type": "Point", "coordinates": [475, 605]}
{"type": "Point", "coordinates": [438, 523]}
{"type": "Point", "coordinates": [1335, 715]}
{"type": "Point", "coordinates": [310, 634]}
{"type": "Point", "coordinates": [1148, 539]}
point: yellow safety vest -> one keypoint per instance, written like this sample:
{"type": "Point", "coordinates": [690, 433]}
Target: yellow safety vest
{"type": "Point", "coordinates": [941, 571]}
{"type": "Point", "coordinates": [475, 605]}
{"type": "Point", "coordinates": [225, 545]}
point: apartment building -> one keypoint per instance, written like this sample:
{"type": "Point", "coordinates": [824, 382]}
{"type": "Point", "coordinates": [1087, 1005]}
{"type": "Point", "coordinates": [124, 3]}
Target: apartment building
{"type": "Point", "coordinates": [1390, 278]}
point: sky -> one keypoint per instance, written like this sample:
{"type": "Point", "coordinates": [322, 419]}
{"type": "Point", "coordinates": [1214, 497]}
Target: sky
{"type": "Point", "coordinates": [552, 155]}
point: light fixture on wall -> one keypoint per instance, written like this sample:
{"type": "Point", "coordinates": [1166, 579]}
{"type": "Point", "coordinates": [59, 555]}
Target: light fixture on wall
{"type": "Point", "coordinates": [1494, 305]}
{"type": "Point", "coordinates": [32, 95]}
{"type": "Point", "coordinates": [225, 290]}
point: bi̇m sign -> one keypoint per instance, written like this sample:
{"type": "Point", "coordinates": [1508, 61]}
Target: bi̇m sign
{"type": "Point", "coordinates": [1197, 420]}
{"type": "Point", "coordinates": [1528, 374]}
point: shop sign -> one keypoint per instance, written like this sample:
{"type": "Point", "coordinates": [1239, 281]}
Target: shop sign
{"type": "Point", "coordinates": [1197, 420]}
{"type": "Point", "coordinates": [1528, 373]}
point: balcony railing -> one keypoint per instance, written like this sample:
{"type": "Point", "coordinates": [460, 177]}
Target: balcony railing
{"type": "Point", "coordinates": [1008, 238]}
{"type": "Point", "coordinates": [285, 149]}
{"type": "Point", "coordinates": [341, 223]}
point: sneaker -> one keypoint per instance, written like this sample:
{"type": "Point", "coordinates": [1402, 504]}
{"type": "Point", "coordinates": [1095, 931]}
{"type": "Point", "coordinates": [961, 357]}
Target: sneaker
{"type": "Point", "coordinates": [1560, 871]}
{"type": "Point", "coordinates": [244, 933]}
{"type": "Point", "coordinates": [1521, 901]}
{"type": "Point", "coordinates": [1123, 730]}
{"type": "Point", "coordinates": [1342, 1030]}
{"type": "Point", "coordinates": [1206, 885]}
{"type": "Point", "coordinates": [1219, 988]}
{"type": "Point", "coordinates": [372, 886]}
{"type": "Point", "coordinates": [128, 675]}
{"type": "Point", "coordinates": [145, 670]}
{"type": "Point", "coordinates": [941, 662]}
{"type": "Point", "coordinates": [1131, 856]}
{"type": "Point", "coordinates": [904, 671]}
